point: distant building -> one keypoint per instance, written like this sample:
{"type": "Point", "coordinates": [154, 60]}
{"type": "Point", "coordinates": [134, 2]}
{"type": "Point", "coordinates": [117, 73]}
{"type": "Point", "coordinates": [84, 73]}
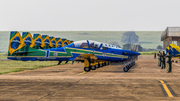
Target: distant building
{"type": "Point", "coordinates": [170, 35]}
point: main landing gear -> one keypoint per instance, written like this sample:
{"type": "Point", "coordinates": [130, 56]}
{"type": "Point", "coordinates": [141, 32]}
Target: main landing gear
{"type": "Point", "coordinates": [88, 65]}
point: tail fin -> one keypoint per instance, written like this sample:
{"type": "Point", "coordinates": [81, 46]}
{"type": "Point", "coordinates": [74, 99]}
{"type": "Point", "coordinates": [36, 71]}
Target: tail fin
{"type": "Point", "coordinates": [16, 42]}
{"type": "Point", "coordinates": [47, 41]}
{"type": "Point", "coordinates": [28, 39]}
{"type": "Point", "coordinates": [59, 42]}
{"type": "Point", "coordinates": [72, 41]}
{"type": "Point", "coordinates": [38, 41]}
{"type": "Point", "coordinates": [64, 42]}
{"type": "Point", "coordinates": [53, 41]}
{"type": "Point", "coordinates": [68, 42]}
{"type": "Point", "coordinates": [174, 50]}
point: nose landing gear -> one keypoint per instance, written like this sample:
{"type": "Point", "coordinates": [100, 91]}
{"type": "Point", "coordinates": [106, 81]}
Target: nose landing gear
{"type": "Point", "coordinates": [128, 65]}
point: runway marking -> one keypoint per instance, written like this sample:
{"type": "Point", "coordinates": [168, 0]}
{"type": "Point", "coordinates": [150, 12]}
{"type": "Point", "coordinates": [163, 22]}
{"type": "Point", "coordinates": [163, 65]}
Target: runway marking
{"type": "Point", "coordinates": [82, 73]}
{"type": "Point", "coordinates": [166, 89]}
{"type": "Point", "coordinates": [176, 64]}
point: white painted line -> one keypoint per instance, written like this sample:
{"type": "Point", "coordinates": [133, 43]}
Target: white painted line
{"type": "Point", "coordinates": [176, 64]}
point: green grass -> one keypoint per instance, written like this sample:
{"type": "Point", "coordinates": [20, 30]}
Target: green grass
{"type": "Point", "coordinates": [149, 53]}
{"type": "Point", "coordinates": [147, 39]}
{"type": "Point", "coordinates": [16, 66]}
{"type": "Point", "coordinates": [3, 55]}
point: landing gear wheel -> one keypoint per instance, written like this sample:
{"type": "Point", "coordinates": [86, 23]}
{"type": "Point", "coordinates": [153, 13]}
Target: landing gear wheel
{"type": "Point", "coordinates": [104, 64]}
{"type": "Point", "coordinates": [97, 66]}
{"type": "Point", "coordinates": [128, 66]}
{"type": "Point", "coordinates": [93, 67]}
{"type": "Point", "coordinates": [87, 69]}
{"type": "Point", "coordinates": [125, 69]}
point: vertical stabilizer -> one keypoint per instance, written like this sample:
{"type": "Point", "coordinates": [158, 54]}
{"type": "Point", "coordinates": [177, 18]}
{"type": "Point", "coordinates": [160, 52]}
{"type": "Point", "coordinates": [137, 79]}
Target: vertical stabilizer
{"type": "Point", "coordinates": [28, 39]}
{"type": "Point", "coordinates": [15, 43]}
{"type": "Point", "coordinates": [72, 41]}
{"type": "Point", "coordinates": [64, 43]}
{"type": "Point", "coordinates": [38, 41]}
{"type": "Point", "coordinates": [59, 42]}
{"type": "Point", "coordinates": [53, 41]}
{"type": "Point", "coordinates": [47, 42]}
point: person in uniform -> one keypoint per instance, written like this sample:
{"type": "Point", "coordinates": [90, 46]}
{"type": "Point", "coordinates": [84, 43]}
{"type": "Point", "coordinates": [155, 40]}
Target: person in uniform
{"type": "Point", "coordinates": [169, 62]}
{"type": "Point", "coordinates": [154, 55]}
{"type": "Point", "coordinates": [159, 59]}
{"type": "Point", "coordinates": [163, 65]}
{"type": "Point", "coordinates": [161, 56]}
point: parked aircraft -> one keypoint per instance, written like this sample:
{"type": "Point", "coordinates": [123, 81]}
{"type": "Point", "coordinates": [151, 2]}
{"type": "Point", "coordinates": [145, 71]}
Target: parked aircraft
{"type": "Point", "coordinates": [44, 48]}
{"type": "Point", "coordinates": [174, 51]}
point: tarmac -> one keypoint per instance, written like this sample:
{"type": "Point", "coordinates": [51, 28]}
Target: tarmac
{"type": "Point", "coordinates": [145, 81]}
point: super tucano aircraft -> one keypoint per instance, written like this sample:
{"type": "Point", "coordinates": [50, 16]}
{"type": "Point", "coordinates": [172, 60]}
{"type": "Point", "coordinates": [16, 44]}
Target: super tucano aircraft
{"type": "Point", "coordinates": [44, 48]}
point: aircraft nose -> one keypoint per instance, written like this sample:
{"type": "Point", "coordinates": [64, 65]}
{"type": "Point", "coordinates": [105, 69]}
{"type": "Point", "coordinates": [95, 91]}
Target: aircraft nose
{"type": "Point", "coordinates": [138, 53]}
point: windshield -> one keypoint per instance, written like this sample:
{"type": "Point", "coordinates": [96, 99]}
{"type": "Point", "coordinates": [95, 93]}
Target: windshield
{"type": "Point", "coordinates": [93, 44]}
{"type": "Point", "coordinates": [81, 44]}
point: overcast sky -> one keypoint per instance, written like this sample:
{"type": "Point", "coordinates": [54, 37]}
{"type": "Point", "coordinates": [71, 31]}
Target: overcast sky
{"type": "Point", "coordinates": [88, 15]}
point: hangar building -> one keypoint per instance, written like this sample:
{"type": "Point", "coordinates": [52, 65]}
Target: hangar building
{"type": "Point", "coordinates": [170, 35]}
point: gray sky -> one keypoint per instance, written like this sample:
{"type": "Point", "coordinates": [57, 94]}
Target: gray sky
{"type": "Point", "coordinates": [89, 15]}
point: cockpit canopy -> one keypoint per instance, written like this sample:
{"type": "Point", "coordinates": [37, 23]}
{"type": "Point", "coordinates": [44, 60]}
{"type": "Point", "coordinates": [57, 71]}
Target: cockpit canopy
{"type": "Point", "coordinates": [93, 44]}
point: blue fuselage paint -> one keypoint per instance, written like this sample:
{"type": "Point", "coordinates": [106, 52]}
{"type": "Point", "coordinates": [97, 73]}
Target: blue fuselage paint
{"type": "Point", "coordinates": [117, 54]}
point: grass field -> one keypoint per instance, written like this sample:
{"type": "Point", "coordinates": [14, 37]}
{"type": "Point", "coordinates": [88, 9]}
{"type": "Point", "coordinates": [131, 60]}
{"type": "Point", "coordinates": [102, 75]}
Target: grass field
{"type": "Point", "coordinates": [149, 53]}
{"type": "Point", "coordinates": [147, 39]}
{"type": "Point", "coordinates": [16, 66]}
{"type": "Point", "coordinates": [3, 55]}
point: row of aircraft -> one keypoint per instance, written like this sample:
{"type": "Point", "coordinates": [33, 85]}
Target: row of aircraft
{"type": "Point", "coordinates": [92, 53]}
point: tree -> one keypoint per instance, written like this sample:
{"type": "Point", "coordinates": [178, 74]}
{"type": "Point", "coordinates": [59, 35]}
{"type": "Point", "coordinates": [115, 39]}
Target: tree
{"type": "Point", "coordinates": [140, 49]}
{"type": "Point", "coordinates": [129, 37]}
{"type": "Point", "coordinates": [127, 46]}
{"type": "Point", "coordinates": [159, 47]}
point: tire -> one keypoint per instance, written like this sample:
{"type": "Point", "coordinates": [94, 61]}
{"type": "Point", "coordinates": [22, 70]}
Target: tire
{"type": "Point", "coordinates": [125, 69]}
{"type": "Point", "coordinates": [128, 66]}
{"type": "Point", "coordinates": [97, 66]}
{"type": "Point", "coordinates": [101, 65]}
{"type": "Point", "coordinates": [93, 67]}
{"type": "Point", "coordinates": [87, 69]}
{"type": "Point", "coordinates": [104, 64]}
{"type": "Point", "coordinates": [107, 63]}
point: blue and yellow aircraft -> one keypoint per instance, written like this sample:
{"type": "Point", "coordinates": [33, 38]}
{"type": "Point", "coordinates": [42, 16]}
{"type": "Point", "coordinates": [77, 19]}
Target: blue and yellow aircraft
{"type": "Point", "coordinates": [44, 48]}
{"type": "Point", "coordinates": [174, 51]}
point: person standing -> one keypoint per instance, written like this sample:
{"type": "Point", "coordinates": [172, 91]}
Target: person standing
{"type": "Point", "coordinates": [169, 62]}
{"type": "Point", "coordinates": [163, 61]}
{"type": "Point", "coordinates": [161, 56]}
{"type": "Point", "coordinates": [154, 55]}
{"type": "Point", "coordinates": [159, 59]}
